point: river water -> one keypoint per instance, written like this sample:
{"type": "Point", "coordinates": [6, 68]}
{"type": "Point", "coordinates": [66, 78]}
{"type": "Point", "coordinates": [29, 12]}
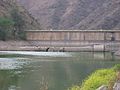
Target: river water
{"type": "Point", "coordinates": [49, 70]}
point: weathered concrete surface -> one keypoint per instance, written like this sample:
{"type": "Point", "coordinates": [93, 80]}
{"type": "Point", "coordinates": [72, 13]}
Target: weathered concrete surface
{"type": "Point", "coordinates": [57, 46]}
{"type": "Point", "coordinates": [73, 35]}
{"type": "Point", "coordinates": [16, 45]}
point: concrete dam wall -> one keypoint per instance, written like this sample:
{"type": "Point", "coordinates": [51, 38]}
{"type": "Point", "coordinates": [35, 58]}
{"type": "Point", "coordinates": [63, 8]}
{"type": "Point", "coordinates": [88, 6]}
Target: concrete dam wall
{"type": "Point", "coordinates": [73, 35]}
{"type": "Point", "coordinates": [77, 40]}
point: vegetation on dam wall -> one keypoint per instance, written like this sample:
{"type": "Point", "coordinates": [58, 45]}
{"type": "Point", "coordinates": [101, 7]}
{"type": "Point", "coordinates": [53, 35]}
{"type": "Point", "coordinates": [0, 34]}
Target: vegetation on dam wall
{"type": "Point", "coordinates": [98, 78]}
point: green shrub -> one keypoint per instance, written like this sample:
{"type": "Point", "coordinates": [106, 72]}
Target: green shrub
{"type": "Point", "coordinates": [117, 67]}
{"type": "Point", "coordinates": [75, 88]}
{"type": "Point", "coordinates": [98, 78]}
{"type": "Point", "coordinates": [19, 24]}
{"type": "Point", "coordinates": [12, 28]}
{"type": "Point", "coordinates": [6, 22]}
{"type": "Point", "coordinates": [6, 26]}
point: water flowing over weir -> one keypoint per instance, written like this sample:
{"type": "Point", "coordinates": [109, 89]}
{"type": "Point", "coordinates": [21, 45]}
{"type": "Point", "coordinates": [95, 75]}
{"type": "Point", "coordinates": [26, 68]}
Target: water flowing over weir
{"type": "Point", "coordinates": [52, 54]}
{"type": "Point", "coordinates": [49, 70]}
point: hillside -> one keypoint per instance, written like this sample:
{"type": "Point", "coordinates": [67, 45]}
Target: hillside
{"type": "Point", "coordinates": [6, 8]}
{"type": "Point", "coordinates": [75, 14]}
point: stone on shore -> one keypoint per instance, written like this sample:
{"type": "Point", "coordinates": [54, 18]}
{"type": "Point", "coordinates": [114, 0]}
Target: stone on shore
{"type": "Point", "coordinates": [117, 53]}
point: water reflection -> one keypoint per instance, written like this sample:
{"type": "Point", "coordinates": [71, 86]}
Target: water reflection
{"type": "Point", "coordinates": [48, 72]}
{"type": "Point", "coordinates": [10, 63]}
{"type": "Point", "coordinates": [10, 73]}
{"type": "Point", "coordinates": [8, 79]}
{"type": "Point", "coordinates": [104, 56]}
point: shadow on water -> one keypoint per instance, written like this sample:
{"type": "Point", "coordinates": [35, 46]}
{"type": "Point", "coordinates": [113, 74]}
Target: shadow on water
{"type": "Point", "coordinates": [9, 80]}
{"type": "Point", "coordinates": [50, 71]}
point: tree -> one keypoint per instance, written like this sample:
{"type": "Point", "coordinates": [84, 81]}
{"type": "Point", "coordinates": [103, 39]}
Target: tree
{"type": "Point", "coordinates": [6, 26]}
{"type": "Point", "coordinates": [19, 24]}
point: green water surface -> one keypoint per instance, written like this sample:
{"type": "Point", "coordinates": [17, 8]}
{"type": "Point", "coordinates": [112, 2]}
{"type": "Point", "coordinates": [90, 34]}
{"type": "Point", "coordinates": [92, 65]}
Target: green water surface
{"type": "Point", "coordinates": [50, 70]}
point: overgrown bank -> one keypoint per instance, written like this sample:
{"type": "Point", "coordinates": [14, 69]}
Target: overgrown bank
{"type": "Point", "coordinates": [98, 78]}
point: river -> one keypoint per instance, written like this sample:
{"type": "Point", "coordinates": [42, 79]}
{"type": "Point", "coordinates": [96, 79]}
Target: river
{"type": "Point", "coordinates": [21, 70]}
